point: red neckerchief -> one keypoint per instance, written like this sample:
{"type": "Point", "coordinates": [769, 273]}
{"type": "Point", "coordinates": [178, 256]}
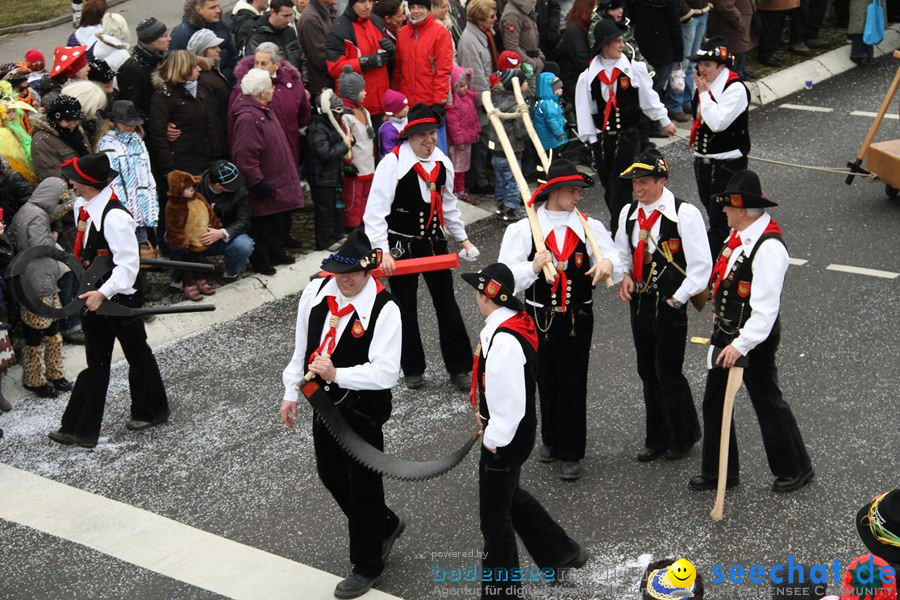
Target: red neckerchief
{"type": "Point", "coordinates": [568, 248]}
{"type": "Point", "coordinates": [609, 80]}
{"type": "Point", "coordinates": [646, 224]}
{"type": "Point", "coordinates": [719, 270]}
{"type": "Point", "coordinates": [330, 339]}
{"type": "Point", "coordinates": [437, 203]}
{"type": "Point", "coordinates": [79, 236]}
{"type": "Point", "coordinates": [521, 323]}
{"type": "Point", "coordinates": [695, 126]}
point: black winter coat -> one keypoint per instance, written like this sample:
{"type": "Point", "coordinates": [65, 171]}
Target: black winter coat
{"type": "Point", "coordinates": [324, 163]}
{"type": "Point", "coordinates": [286, 39]}
{"type": "Point", "coordinates": [657, 30]}
{"type": "Point", "coordinates": [232, 208]}
{"type": "Point", "coordinates": [135, 78]}
{"type": "Point", "coordinates": [199, 143]}
{"type": "Point", "coordinates": [575, 55]}
{"type": "Point", "coordinates": [14, 191]}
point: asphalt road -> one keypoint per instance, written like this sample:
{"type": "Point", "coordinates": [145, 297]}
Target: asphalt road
{"type": "Point", "coordinates": [224, 464]}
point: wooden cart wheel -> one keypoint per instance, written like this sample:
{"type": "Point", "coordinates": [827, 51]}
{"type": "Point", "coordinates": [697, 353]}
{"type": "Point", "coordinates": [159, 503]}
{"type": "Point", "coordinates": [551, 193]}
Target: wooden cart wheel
{"type": "Point", "coordinates": [891, 191]}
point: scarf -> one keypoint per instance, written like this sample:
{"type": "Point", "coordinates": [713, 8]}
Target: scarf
{"type": "Point", "coordinates": [191, 87]}
{"type": "Point", "coordinates": [72, 139]}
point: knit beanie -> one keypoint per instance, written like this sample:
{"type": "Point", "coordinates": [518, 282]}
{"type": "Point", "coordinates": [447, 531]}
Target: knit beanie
{"type": "Point", "coordinates": [100, 71]}
{"type": "Point", "coordinates": [350, 84]}
{"type": "Point", "coordinates": [150, 29]}
{"type": "Point", "coordinates": [509, 60]}
{"type": "Point", "coordinates": [505, 78]}
{"type": "Point", "coordinates": [557, 84]}
{"type": "Point", "coordinates": [394, 102]}
{"type": "Point", "coordinates": [425, 3]}
{"type": "Point", "coordinates": [35, 60]}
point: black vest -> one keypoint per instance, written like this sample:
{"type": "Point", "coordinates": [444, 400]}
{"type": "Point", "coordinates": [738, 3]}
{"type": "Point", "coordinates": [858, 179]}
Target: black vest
{"type": "Point", "coordinates": [628, 107]}
{"type": "Point", "coordinates": [660, 276]}
{"type": "Point", "coordinates": [734, 137]}
{"type": "Point", "coordinates": [578, 290]}
{"type": "Point", "coordinates": [97, 244]}
{"type": "Point", "coordinates": [409, 213]}
{"type": "Point", "coordinates": [523, 441]}
{"type": "Point", "coordinates": [349, 351]}
{"type": "Point", "coordinates": [731, 306]}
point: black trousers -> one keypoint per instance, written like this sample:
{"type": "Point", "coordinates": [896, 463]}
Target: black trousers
{"type": "Point", "coordinates": [84, 413]}
{"type": "Point", "coordinates": [781, 436]}
{"type": "Point", "coordinates": [454, 339]}
{"type": "Point", "coordinates": [773, 26]}
{"type": "Point", "coordinates": [712, 176]}
{"type": "Point", "coordinates": [660, 335]}
{"type": "Point", "coordinates": [505, 510]}
{"type": "Point", "coordinates": [357, 490]}
{"type": "Point", "coordinates": [329, 218]}
{"type": "Point", "coordinates": [614, 153]}
{"type": "Point", "coordinates": [269, 235]}
{"type": "Point", "coordinates": [563, 357]}
{"type": "Point", "coordinates": [477, 175]}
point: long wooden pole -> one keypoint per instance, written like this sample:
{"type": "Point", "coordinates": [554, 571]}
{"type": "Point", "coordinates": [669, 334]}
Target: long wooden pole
{"type": "Point", "coordinates": [885, 104]}
{"type": "Point", "coordinates": [545, 163]}
{"type": "Point", "coordinates": [735, 377]}
{"type": "Point", "coordinates": [550, 273]}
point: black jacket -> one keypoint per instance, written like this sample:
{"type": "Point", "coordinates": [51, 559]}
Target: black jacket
{"type": "Point", "coordinates": [135, 78]}
{"type": "Point", "coordinates": [232, 208]}
{"type": "Point", "coordinates": [324, 163]}
{"type": "Point", "coordinates": [657, 30]}
{"type": "Point", "coordinates": [14, 191]}
{"type": "Point", "coordinates": [241, 26]}
{"type": "Point", "coordinates": [575, 55]}
{"type": "Point", "coordinates": [286, 39]}
{"type": "Point", "coordinates": [199, 143]}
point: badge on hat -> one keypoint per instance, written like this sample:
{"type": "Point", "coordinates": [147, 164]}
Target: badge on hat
{"type": "Point", "coordinates": [491, 289]}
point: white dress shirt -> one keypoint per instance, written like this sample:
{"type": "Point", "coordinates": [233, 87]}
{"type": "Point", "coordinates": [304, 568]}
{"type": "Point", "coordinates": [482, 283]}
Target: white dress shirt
{"type": "Point", "coordinates": [586, 106]}
{"type": "Point", "coordinates": [721, 112]}
{"type": "Point", "coordinates": [383, 368]}
{"type": "Point", "coordinates": [517, 243]}
{"type": "Point", "coordinates": [504, 380]}
{"type": "Point", "coordinates": [769, 268]}
{"type": "Point", "coordinates": [694, 242]}
{"type": "Point", "coordinates": [119, 230]}
{"type": "Point", "coordinates": [389, 171]}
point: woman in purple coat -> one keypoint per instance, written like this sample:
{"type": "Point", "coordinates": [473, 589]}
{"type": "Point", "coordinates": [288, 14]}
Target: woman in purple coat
{"type": "Point", "coordinates": [262, 152]}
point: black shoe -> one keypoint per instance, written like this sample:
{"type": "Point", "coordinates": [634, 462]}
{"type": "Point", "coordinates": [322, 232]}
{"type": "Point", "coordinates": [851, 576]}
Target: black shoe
{"type": "Point", "coordinates": [67, 439]}
{"type": "Point", "coordinates": [699, 483]}
{"type": "Point", "coordinates": [579, 561]}
{"type": "Point", "coordinates": [571, 470]}
{"type": "Point", "coordinates": [283, 259]}
{"type": "Point", "coordinates": [43, 391]}
{"type": "Point", "coordinates": [462, 381]}
{"type": "Point", "coordinates": [75, 335]}
{"type": "Point", "coordinates": [771, 61]}
{"type": "Point", "coordinates": [414, 382]}
{"type": "Point", "coordinates": [646, 454]}
{"type": "Point", "coordinates": [138, 425]}
{"type": "Point", "coordinates": [264, 269]}
{"type": "Point", "coordinates": [63, 385]}
{"type": "Point", "coordinates": [677, 453]}
{"type": "Point", "coordinates": [226, 279]}
{"type": "Point", "coordinates": [354, 586]}
{"type": "Point", "coordinates": [388, 544]}
{"type": "Point", "coordinates": [5, 406]}
{"type": "Point", "coordinates": [789, 484]}
{"type": "Point", "coordinates": [546, 454]}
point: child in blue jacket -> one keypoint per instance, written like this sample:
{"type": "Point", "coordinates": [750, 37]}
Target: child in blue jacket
{"type": "Point", "coordinates": [547, 114]}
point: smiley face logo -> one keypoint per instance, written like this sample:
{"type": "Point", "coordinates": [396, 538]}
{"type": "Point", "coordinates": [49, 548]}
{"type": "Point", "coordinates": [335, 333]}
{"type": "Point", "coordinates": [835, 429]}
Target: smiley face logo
{"type": "Point", "coordinates": [682, 573]}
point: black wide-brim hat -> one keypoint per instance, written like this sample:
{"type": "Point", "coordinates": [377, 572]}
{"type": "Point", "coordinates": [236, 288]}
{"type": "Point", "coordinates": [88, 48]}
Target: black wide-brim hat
{"type": "Point", "coordinates": [496, 282]}
{"type": "Point", "coordinates": [421, 118]}
{"type": "Point", "coordinates": [650, 163]}
{"type": "Point", "coordinates": [562, 174]}
{"type": "Point", "coordinates": [605, 31]}
{"type": "Point", "coordinates": [888, 514]}
{"type": "Point", "coordinates": [355, 254]}
{"type": "Point", "coordinates": [124, 111]}
{"type": "Point", "coordinates": [90, 169]}
{"type": "Point", "coordinates": [714, 50]}
{"type": "Point", "coordinates": [743, 191]}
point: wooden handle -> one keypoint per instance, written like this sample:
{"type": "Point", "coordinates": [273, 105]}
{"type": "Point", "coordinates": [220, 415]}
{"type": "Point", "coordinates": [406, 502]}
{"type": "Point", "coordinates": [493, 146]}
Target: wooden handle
{"type": "Point", "coordinates": [549, 269]}
{"type": "Point", "coordinates": [545, 163]}
{"type": "Point", "coordinates": [735, 377]}
{"type": "Point", "coordinates": [885, 104]}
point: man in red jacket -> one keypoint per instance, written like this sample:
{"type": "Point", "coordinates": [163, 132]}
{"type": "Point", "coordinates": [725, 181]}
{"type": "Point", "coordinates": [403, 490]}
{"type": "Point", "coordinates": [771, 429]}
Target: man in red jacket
{"type": "Point", "coordinates": [424, 57]}
{"type": "Point", "coordinates": [357, 39]}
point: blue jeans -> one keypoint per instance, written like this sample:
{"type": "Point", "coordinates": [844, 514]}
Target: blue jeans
{"type": "Point", "coordinates": [237, 253]}
{"type": "Point", "coordinates": [692, 36]}
{"type": "Point", "coordinates": [505, 189]}
{"type": "Point", "coordinates": [661, 80]}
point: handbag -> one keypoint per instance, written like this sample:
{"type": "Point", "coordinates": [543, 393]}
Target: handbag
{"type": "Point", "coordinates": [148, 250]}
{"type": "Point", "coordinates": [873, 32]}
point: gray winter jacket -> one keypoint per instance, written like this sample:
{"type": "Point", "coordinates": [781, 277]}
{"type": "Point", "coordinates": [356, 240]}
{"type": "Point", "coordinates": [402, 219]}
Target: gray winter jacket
{"type": "Point", "coordinates": [31, 227]}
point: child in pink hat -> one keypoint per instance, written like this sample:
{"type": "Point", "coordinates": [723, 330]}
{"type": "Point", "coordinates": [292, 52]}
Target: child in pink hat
{"type": "Point", "coordinates": [396, 107]}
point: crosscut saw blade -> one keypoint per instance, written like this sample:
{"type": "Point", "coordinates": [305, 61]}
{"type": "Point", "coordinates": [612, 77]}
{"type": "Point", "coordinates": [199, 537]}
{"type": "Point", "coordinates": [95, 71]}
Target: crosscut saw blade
{"type": "Point", "coordinates": [371, 457]}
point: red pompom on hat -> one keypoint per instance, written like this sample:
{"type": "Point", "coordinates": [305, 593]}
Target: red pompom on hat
{"type": "Point", "coordinates": [509, 60]}
{"type": "Point", "coordinates": [68, 61]}
{"type": "Point", "coordinates": [34, 58]}
{"type": "Point", "coordinates": [864, 580]}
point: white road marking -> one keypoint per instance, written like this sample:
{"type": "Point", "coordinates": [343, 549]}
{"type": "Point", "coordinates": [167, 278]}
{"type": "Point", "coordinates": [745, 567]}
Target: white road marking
{"type": "Point", "coordinates": [863, 113]}
{"type": "Point", "coordinates": [159, 544]}
{"type": "Point", "coordinates": [823, 109]}
{"type": "Point", "coordinates": [798, 262]}
{"type": "Point", "coordinates": [863, 271]}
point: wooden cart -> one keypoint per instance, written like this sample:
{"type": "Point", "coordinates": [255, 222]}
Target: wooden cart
{"type": "Point", "coordinates": [882, 158]}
